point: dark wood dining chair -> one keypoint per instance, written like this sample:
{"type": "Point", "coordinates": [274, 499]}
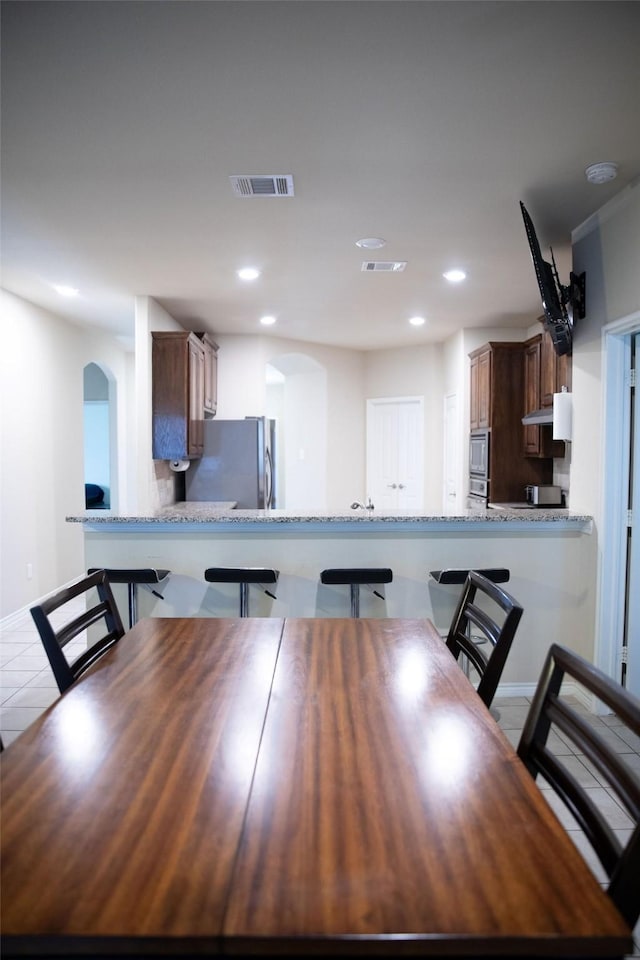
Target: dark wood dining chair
{"type": "Point", "coordinates": [56, 631]}
{"type": "Point", "coordinates": [620, 860]}
{"type": "Point", "coordinates": [470, 621]}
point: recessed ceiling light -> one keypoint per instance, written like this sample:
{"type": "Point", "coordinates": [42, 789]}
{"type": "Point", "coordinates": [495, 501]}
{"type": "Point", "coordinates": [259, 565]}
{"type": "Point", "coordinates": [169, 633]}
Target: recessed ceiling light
{"type": "Point", "coordinates": [267, 321]}
{"type": "Point", "coordinates": [371, 243]}
{"type": "Point", "coordinates": [248, 273]}
{"type": "Point", "coordinates": [601, 172]}
{"type": "Point", "coordinates": [65, 291]}
{"type": "Point", "coordinates": [455, 276]}
{"type": "Point", "coordinates": [417, 321]}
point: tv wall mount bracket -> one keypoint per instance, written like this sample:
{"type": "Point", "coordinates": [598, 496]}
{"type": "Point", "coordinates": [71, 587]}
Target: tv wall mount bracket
{"type": "Point", "coordinates": [576, 294]}
{"type": "Point", "coordinates": [573, 293]}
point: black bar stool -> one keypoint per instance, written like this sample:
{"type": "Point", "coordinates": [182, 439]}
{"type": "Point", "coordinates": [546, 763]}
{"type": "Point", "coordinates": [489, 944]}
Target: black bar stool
{"type": "Point", "coordinates": [354, 577]}
{"type": "Point", "coordinates": [243, 576]}
{"type": "Point", "coordinates": [132, 576]}
{"type": "Point", "coordinates": [459, 576]}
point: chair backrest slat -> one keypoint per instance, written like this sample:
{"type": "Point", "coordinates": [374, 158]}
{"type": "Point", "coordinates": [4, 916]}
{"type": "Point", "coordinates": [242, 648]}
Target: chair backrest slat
{"type": "Point", "coordinates": [76, 626]}
{"type": "Point", "coordinates": [55, 638]}
{"type": "Point", "coordinates": [499, 633]}
{"type": "Point", "coordinates": [549, 710]}
{"type": "Point", "coordinates": [595, 748]}
{"type": "Point", "coordinates": [578, 802]}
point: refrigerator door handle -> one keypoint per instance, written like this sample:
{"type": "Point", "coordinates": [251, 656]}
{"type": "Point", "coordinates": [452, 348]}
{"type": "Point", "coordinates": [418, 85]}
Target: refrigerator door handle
{"type": "Point", "coordinates": [268, 479]}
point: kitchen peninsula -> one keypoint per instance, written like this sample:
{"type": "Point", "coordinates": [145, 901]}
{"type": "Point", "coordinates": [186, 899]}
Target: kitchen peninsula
{"type": "Point", "coordinates": [551, 555]}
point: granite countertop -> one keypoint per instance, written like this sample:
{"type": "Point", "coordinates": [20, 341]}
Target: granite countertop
{"type": "Point", "coordinates": [224, 512]}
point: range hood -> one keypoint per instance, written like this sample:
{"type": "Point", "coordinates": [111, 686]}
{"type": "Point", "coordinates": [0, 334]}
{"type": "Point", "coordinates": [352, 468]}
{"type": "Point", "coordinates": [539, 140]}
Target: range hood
{"type": "Point", "coordinates": [536, 417]}
{"type": "Point", "coordinates": [559, 416]}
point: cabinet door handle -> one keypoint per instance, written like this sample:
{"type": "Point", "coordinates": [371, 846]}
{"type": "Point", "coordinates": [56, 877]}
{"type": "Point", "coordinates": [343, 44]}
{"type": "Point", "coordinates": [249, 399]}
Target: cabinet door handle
{"type": "Point", "coordinates": [392, 485]}
{"type": "Point", "coordinates": [401, 486]}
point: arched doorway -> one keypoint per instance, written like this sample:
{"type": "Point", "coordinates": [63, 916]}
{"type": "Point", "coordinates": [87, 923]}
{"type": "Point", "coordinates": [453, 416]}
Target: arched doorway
{"type": "Point", "coordinates": [100, 438]}
{"type": "Point", "coordinates": [296, 398]}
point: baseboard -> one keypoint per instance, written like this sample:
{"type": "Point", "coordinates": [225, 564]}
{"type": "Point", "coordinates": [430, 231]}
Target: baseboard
{"type": "Point", "coordinates": [568, 688]}
{"type": "Point", "coordinates": [10, 622]}
{"type": "Point", "coordinates": [516, 689]}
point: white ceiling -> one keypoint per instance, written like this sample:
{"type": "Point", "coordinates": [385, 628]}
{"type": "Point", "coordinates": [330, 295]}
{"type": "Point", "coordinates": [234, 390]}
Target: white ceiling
{"type": "Point", "coordinates": [421, 122]}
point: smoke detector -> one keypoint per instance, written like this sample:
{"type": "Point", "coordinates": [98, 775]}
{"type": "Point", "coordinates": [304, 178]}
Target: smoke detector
{"type": "Point", "coordinates": [383, 266]}
{"type": "Point", "coordinates": [601, 172]}
{"type": "Point", "coordinates": [269, 185]}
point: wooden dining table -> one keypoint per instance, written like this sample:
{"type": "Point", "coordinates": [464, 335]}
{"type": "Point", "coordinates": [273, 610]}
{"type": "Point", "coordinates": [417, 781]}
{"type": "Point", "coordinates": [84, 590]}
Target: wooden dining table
{"type": "Point", "coordinates": [285, 787]}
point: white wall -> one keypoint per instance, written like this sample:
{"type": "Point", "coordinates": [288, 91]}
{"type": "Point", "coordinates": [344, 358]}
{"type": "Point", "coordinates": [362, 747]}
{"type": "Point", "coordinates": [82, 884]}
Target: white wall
{"type": "Point", "coordinates": [455, 381]}
{"type": "Point", "coordinates": [607, 248]}
{"type": "Point", "coordinates": [242, 392]}
{"type": "Point", "coordinates": [154, 481]}
{"type": "Point", "coordinates": [352, 377]}
{"type": "Point", "coordinates": [305, 454]}
{"type": "Point", "coordinates": [41, 454]}
{"type": "Point", "coordinates": [414, 372]}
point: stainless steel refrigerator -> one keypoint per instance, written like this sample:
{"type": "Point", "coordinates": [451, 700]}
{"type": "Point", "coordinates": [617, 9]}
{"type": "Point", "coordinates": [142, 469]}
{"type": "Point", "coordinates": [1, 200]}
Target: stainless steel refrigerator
{"type": "Point", "coordinates": [238, 463]}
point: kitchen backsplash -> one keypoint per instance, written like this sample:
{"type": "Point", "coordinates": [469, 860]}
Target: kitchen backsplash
{"type": "Point", "coordinates": [164, 489]}
{"type": "Point", "coordinates": [561, 473]}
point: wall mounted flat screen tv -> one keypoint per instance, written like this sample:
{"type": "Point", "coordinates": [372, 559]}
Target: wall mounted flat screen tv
{"type": "Point", "coordinates": [561, 304]}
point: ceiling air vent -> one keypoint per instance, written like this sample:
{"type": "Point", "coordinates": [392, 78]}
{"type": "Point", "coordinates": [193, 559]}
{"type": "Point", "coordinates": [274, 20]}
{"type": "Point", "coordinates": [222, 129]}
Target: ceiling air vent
{"type": "Point", "coordinates": [383, 266]}
{"type": "Point", "coordinates": [276, 185]}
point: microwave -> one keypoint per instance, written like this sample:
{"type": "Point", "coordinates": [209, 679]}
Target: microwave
{"type": "Point", "coordinates": [479, 454]}
{"type": "Point", "coordinates": [547, 495]}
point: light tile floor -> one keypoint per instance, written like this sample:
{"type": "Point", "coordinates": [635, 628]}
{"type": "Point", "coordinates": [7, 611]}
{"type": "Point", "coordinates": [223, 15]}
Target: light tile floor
{"type": "Point", "coordinates": [27, 687]}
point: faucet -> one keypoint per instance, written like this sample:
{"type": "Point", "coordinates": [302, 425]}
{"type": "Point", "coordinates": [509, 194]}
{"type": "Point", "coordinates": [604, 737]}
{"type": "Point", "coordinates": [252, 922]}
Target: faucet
{"type": "Point", "coordinates": [358, 505]}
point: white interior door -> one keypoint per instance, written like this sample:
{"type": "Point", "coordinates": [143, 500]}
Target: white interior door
{"type": "Point", "coordinates": [395, 453]}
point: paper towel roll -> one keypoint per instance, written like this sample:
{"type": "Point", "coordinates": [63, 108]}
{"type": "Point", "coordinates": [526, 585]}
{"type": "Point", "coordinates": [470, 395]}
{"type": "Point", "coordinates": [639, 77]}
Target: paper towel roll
{"type": "Point", "coordinates": [562, 416]}
{"type": "Point", "coordinates": [179, 466]}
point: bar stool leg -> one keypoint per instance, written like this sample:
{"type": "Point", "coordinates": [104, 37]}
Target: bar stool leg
{"type": "Point", "coordinates": [244, 599]}
{"type": "Point", "coordinates": [132, 590]}
{"type": "Point", "coordinates": [355, 599]}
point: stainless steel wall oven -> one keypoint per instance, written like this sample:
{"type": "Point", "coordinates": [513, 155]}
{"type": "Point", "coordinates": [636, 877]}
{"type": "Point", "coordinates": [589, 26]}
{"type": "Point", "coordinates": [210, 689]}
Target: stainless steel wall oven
{"type": "Point", "coordinates": [479, 468]}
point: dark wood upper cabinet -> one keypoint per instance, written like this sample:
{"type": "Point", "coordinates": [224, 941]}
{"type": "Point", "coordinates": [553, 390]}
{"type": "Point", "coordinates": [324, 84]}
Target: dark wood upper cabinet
{"type": "Point", "coordinates": [564, 372]}
{"type": "Point", "coordinates": [555, 371]}
{"type": "Point", "coordinates": [480, 386]}
{"type": "Point", "coordinates": [504, 379]}
{"type": "Point", "coordinates": [545, 373]}
{"type": "Point", "coordinates": [473, 392]}
{"type": "Point", "coordinates": [497, 375]}
{"type": "Point", "coordinates": [210, 374]}
{"type": "Point", "coordinates": [532, 366]}
{"type": "Point", "coordinates": [178, 384]}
